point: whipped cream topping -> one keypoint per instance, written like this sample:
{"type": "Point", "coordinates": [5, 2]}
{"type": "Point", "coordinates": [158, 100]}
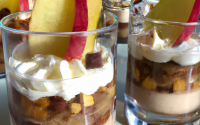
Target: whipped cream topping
{"type": "Point", "coordinates": [188, 53]}
{"type": "Point", "coordinates": [46, 76]}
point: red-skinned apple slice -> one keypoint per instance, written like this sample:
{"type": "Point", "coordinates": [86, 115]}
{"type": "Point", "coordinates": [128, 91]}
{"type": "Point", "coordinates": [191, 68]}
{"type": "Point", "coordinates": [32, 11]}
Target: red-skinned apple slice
{"type": "Point", "coordinates": [189, 29]}
{"type": "Point", "coordinates": [176, 11]}
{"type": "Point", "coordinates": [80, 46]}
{"type": "Point", "coordinates": [77, 43]}
{"type": "Point", "coordinates": [26, 5]}
{"type": "Point", "coordinates": [23, 5]}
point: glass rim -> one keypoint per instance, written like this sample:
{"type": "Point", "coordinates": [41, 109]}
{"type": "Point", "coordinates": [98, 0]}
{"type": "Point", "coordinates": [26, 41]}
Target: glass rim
{"type": "Point", "coordinates": [97, 31]}
{"type": "Point", "coordinates": [125, 9]}
{"type": "Point", "coordinates": [157, 21]}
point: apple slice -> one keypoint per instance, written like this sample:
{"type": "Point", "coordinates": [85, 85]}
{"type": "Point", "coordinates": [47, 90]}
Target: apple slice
{"type": "Point", "coordinates": [77, 44]}
{"type": "Point", "coordinates": [51, 16]}
{"type": "Point", "coordinates": [189, 29]}
{"type": "Point", "coordinates": [94, 11]}
{"type": "Point", "coordinates": [23, 5]}
{"type": "Point", "coordinates": [86, 19]}
{"type": "Point", "coordinates": [176, 11]}
{"type": "Point", "coordinates": [12, 5]}
{"type": "Point", "coordinates": [26, 5]}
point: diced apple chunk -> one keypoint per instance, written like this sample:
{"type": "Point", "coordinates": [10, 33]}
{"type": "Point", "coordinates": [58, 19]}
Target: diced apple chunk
{"type": "Point", "coordinates": [196, 85]}
{"type": "Point", "coordinates": [88, 100]}
{"type": "Point", "coordinates": [102, 89]}
{"type": "Point", "coordinates": [179, 85]}
{"type": "Point", "coordinates": [149, 84]}
{"type": "Point", "coordinates": [75, 108]}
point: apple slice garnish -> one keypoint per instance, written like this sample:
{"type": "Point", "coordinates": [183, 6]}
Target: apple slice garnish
{"type": "Point", "coordinates": [26, 4]}
{"type": "Point", "coordinates": [44, 15]}
{"type": "Point", "coordinates": [11, 5]}
{"type": "Point", "coordinates": [86, 19]}
{"type": "Point", "coordinates": [189, 29]}
{"type": "Point", "coordinates": [176, 11]}
{"type": "Point", "coordinates": [23, 5]}
{"type": "Point", "coordinates": [77, 43]}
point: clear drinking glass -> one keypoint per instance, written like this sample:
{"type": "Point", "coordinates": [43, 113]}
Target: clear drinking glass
{"type": "Point", "coordinates": [40, 90]}
{"type": "Point", "coordinates": [162, 84]}
{"type": "Point", "coordinates": [6, 7]}
{"type": "Point", "coordinates": [121, 9]}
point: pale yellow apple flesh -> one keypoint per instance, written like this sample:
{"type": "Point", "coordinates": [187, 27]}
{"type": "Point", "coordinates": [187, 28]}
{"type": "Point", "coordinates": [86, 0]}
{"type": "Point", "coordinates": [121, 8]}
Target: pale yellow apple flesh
{"type": "Point", "coordinates": [12, 5]}
{"type": "Point", "coordinates": [94, 11]}
{"type": "Point", "coordinates": [51, 16]}
{"type": "Point", "coordinates": [170, 10]}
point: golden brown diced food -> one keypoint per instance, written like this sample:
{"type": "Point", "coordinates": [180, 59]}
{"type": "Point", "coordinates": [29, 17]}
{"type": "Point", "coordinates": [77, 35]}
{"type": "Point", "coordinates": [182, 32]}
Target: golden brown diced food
{"type": "Point", "coordinates": [102, 89]}
{"type": "Point", "coordinates": [137, 75]}
{"type": "Point", "coordinates": [195, 85]}
{"type": "Point", "coordinates": [149, 83]}
{"type": "Point", "coordinates": [36, 112]}
{"type": "Point", "coordinates": [42, 102]}
{"type": "Point", "coordinates": [73, 100]}
{"type": "Point", "coordinates": [58, 104]}
{"type": "Point", "coordinates": [75, 108]}
{"type": "Point", "coordinates": [36, 109]}
{"type": "Point", "coordinates": [112, 91]}
{"type": "Point", "coordinates": [88, 100]}
{"type": "Point", "coordinates": [179, 85]}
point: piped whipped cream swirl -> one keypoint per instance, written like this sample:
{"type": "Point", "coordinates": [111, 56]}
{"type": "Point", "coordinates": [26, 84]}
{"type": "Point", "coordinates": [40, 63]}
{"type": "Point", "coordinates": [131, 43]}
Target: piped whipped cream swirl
{"type": "Point", "coordinates": [188, 53]}
{"type": "Point", "coordinates": [69, 78]}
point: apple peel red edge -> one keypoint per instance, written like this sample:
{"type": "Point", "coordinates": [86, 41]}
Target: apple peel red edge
{"type": "Point", "coordinates": [23, 5]}
{"type": "Point", "coordinates": [185, 35]}
{"type": "Point", "coordinates": [77, 43]}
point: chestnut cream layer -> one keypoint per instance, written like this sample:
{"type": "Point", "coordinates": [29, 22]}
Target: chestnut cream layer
{"type": "Point", "coordinates": [167, 103]}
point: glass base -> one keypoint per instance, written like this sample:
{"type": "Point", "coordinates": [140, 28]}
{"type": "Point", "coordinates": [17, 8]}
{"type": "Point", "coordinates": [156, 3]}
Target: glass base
{"type": "Point", "coordinates": [138, 116]}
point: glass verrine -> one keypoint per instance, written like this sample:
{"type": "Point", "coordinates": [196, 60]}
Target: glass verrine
{"type": "Point", "coordinates": [41, 89]}
{"type": "Point", "coordinates": [121, 9]}
{"type": "Point", "coordinates": [162, 85]}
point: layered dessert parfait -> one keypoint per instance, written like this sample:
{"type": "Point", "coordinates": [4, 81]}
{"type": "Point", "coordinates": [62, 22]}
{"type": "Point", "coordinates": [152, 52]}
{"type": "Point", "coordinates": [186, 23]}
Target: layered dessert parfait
{"type": "Point", "coordinates": [61, 80]}
{"type": "Point", "coordinates": [121, 9]}
{"type": "Point", "coordinates": [85, 96]}
{"type": "Point", "coordinates": [163, 63]}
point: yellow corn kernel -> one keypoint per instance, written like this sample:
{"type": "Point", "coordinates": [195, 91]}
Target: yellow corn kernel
{"type": "Point", "coordinates": [179, 85]}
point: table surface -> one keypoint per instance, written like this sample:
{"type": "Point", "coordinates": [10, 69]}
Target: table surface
{"type": "Point", "coordinates": [121, 79]}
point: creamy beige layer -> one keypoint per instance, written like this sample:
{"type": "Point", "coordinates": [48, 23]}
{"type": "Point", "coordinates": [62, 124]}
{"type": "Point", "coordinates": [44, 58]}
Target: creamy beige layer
{"type": "Point", "coordinates": [167, 103]}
